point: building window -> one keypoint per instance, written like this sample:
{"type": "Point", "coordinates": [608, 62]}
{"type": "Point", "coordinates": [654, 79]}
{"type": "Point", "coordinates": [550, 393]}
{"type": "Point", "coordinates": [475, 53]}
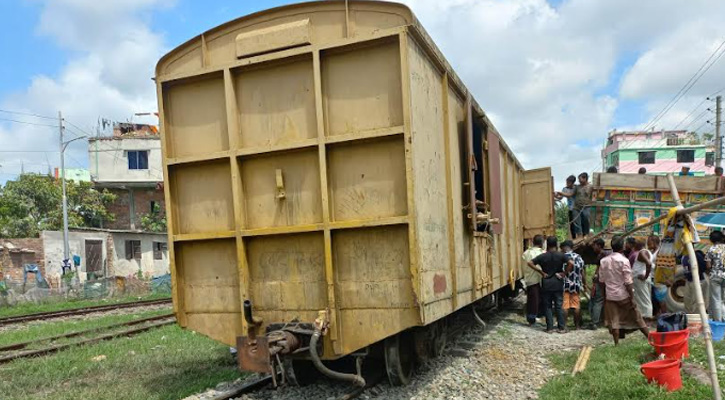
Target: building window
{"type": "Point", "coordinates": [133, 250]}
{"type": "Point", "coordinates": [710, 158]}
{"type": "Point", "coordinates": [685, 156]}
{"type": "Point", "coordinates": [152, 207]}
{"type": "Point", "coordinates": [159, 250]}
{"type": "Point", "coordinates": [138, 159]}
{"type": "Point", "coordinates": [614, 161]}
{"type": "Point", "coordinates": [646, 157]}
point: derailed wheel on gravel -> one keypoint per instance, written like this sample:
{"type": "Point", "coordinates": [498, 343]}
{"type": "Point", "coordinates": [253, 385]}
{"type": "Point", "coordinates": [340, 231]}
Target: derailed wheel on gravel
{"type": "Point", "coordinates": [399, 358]}
{"type": "Point", "coordinates": [439, 337]}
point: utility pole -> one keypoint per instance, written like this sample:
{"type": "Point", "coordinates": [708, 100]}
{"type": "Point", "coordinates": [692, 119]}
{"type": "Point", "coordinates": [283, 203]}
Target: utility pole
{"type": "Point", "coordinates": [63, 145]}
{"type": "Point", "coordinates": [718, 138]}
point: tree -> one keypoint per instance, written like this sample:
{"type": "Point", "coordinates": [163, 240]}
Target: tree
{"type": "Point", "coordinates": [154, 221]}
{"type": "Point", "coordinates": [32, 203]}
{"type": "Point", "coordinates": [561, 220]}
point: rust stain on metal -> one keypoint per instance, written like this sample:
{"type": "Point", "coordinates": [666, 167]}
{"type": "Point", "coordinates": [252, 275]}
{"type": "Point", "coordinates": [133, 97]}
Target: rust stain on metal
{"type": "Point", "coordinates": [439, 283]}
{"type": "Point", "coordinates": [253, 354]}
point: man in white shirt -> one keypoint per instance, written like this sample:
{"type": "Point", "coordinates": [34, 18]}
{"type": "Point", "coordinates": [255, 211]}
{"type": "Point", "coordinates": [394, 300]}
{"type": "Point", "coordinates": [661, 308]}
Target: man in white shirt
{"type": "Point", "coordinates": [532, 277]}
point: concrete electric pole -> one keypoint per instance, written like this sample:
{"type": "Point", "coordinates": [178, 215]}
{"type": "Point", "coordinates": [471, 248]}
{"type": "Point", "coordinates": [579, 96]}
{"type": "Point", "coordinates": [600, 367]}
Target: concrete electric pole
{"type": "Point", "coordinates": [63, 146]}
{"type": "Point", "coordinates": [718, 138]}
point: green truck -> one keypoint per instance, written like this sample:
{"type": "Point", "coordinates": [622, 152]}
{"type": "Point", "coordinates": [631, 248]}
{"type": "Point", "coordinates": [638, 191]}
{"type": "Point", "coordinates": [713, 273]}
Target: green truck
{"type": "Point", "coordinates": [624, 201]}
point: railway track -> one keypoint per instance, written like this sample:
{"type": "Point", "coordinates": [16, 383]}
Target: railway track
{"type": "Point", "coordinates": [460, 324]}
{"type": "Point", "coordinates": [261, 383]}
{"type": "Point", "coordinates": [49, 345]}
{"type": "Point", "coordinates": [79, 311]}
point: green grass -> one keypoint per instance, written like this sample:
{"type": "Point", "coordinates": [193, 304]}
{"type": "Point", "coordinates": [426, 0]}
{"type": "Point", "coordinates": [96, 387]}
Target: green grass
{"type": "Point", "coordinates": [613, 373]}
{"type": "Point", "coordinates": [38, 330]}
{"type": "Point", "coordinates": [165, 363]}
{"type": "Point", "coordinates": [32, 308]}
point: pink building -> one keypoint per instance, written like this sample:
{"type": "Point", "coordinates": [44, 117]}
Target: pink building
{"type": "Point", "coordinates": [659, 152]}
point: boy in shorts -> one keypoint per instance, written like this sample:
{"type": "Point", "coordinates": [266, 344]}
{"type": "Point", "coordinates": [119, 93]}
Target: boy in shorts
{"type": "Point", "coordinates": [574, 283]}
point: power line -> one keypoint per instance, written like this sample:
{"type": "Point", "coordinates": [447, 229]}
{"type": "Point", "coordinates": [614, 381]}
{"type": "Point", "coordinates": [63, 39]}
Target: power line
{"type": "Point", "coordinates": [28, 151]}
{"type": "Point", "coordinates": [695, 120]}
{"type": "Point", "coordinates": [716, 92]}
{"type": "Point", "coordinates": [26, 122]}
{"type": "Point", "coordinates": [28, 114]}
{"type": "Point", "coordinates": [703, 124]}
{"type": "Point", "coordinates": [76, 127]}
{"type": "Point", "coordinates": [691, 112]}
{"type": "Point", "coordinates": [688, 85]}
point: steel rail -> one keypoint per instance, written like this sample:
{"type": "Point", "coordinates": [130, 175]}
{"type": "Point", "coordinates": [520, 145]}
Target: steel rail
{"type": "Point", "coordinates": [79, 311]}
{"type": "Point", "coordinates": [54, 349]}
{"type": "Point", "coordinates": [19, 346]}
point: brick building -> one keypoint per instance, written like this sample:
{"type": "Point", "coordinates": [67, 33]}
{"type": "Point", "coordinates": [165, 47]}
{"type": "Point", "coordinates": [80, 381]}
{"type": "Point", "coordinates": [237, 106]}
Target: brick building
{"type": "Point", "coordinates": [129, 165]}
{"type": "Point", "coordinates": [16, 253]}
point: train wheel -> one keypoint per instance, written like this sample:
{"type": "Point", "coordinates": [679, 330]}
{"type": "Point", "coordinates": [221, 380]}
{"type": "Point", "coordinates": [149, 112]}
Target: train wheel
{"type": "Point", "coordinates": [439, 338]}
{"type": "Point", "coordinates": [399, 358]}
{"type": "Point", "coordinates": [430, 340]}
{"type": "Point", "coordinates": [300, 372]}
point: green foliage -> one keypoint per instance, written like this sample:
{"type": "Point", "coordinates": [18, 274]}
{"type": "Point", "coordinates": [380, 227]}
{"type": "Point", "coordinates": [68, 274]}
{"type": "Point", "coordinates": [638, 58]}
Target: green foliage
{"type": "Point", "coordinates": [33, 203]}
{"type": "Point", "coordinates": [561, 220]}
{"type": "Point", "coordinates": [155, 221]}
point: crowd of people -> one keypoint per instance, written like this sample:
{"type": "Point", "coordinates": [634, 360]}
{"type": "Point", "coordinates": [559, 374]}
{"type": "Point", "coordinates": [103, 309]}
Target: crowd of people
{"type": "Point", "coordinates": [622, 295]}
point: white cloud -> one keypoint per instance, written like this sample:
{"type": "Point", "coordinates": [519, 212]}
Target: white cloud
{"type": "Point", "coordinates": [541, 73]}
{"type": "Point", "coordinates": [113, 52]}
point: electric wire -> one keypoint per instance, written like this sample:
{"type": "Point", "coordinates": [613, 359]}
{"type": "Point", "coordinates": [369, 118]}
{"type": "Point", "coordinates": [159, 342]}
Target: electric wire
{"type": "Point", "coordinates": [714, 57]}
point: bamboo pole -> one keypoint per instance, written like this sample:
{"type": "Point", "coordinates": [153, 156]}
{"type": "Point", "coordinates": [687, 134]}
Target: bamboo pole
{"type": "Point", "coordinates": [585, 360]}
{"type": "Point", "coordinates": [582, 361]}
{"type": "Point", "coordinates": [717, 395]}
{"type": "Point", "coordinates": [681, 211]}
{"type": "Point", "coordinates": [579, 360]}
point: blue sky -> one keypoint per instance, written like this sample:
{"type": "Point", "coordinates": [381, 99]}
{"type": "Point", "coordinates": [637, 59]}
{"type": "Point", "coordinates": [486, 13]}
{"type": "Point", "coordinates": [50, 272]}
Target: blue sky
{"type": "Point", "coordinates": [554, 76]}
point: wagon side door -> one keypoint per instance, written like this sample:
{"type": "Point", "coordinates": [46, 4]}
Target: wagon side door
{"type": "Point", "coordinates": [537, 202]}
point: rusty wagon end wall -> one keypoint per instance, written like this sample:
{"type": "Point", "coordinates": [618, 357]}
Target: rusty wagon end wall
{"type": "Point", "coordinates": [320, 156]}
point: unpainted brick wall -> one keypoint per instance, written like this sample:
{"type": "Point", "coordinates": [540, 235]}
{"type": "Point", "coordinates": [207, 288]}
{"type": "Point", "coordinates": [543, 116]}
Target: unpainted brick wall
{"type": "Point", "coordinates": [121, 208]}
{"type": "Point", "coordinates": [25, 251]}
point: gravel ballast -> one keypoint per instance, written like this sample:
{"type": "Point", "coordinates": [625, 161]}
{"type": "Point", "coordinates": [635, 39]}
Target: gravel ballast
{"type": "Point", "coordinates": [507, 360]}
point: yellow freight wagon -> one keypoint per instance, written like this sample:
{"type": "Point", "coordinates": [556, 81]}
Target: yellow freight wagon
{"type": "Point", "coordinates": [331, 184]}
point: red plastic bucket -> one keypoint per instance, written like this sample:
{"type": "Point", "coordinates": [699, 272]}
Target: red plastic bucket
{"type": "Point", "coordinates": [673, 344]}
{"type": "Point", "coordinates": [665, 372]}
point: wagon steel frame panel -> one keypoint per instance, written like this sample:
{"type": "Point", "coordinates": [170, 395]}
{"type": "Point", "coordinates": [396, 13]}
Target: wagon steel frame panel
{"type": "Point", "coordinates": [408, 37]}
